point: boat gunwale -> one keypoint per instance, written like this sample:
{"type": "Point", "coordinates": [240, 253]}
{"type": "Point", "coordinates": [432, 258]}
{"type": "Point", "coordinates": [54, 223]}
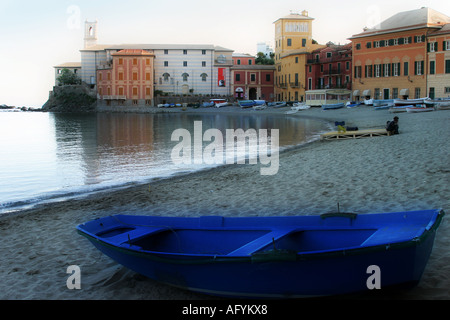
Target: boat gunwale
{"type": "Point", "coordinates": [180, 258]}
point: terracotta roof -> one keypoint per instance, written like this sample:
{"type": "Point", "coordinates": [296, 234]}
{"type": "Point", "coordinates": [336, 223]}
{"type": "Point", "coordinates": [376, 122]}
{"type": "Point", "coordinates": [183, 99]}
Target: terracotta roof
{"type": "Point", "coordinates": [132, 52]}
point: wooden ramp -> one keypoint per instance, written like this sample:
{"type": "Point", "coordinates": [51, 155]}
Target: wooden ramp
{"type": "Point", "coordinates": [335, 135]}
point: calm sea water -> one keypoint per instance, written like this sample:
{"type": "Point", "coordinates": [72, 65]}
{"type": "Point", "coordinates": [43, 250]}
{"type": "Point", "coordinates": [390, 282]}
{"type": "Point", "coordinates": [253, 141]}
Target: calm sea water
{"type": "Point", "coordinates": [48, 157]}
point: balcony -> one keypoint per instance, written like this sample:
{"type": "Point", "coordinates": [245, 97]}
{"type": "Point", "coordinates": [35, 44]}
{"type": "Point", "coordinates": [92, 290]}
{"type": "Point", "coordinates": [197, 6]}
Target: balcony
{"type": "Point", "coordinates": [114, 97]}
{"type": "Point", "coordinates": [295, 84]}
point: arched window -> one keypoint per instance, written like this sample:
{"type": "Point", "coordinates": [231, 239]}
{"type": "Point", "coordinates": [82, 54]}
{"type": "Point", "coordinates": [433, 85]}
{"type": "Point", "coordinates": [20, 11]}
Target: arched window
{"type": "Point", "coordinates": [185, 77]}
{"type": "Point", "coordinates": [166, 77]}
{"type": "Point", "coordinates": [91, 31]}
{"type": "Point", "coordinates": [203, 76]}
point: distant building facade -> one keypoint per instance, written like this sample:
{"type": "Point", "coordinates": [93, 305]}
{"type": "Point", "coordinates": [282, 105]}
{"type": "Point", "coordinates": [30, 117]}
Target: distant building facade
{"type": "Point", "coordinates": [438, 47]}
{"type": "Point", "coordinates": [177, 69]}
{"type": "Point", "coordinates": [74, 67]}
{"type": "Point", "coordinates": [392, 60]}
{"type": "Point", "coordinates": [330, 67]}
{"type": "Point", "coordinates": [128, 79]}
{"type": "Point", "coordinates": [293, 42]}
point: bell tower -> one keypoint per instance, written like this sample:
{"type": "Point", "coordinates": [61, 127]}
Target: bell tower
{"type": "Point", "coordinates": [90, 33]}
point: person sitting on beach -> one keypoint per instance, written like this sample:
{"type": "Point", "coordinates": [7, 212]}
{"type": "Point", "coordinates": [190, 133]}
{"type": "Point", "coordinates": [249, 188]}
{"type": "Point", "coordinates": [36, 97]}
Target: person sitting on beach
{"type": "Point", "coordinates": [392, 126]}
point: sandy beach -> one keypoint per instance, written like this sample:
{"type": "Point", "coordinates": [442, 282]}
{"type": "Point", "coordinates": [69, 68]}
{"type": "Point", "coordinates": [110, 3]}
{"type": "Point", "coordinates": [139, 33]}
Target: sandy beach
{"type": "Point", "coordinates": [409, 171]}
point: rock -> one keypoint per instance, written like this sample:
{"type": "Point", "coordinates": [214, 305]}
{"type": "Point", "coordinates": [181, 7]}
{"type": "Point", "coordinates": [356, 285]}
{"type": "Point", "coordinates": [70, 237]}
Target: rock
{"type": "Point", "coordinates": [73, 98]}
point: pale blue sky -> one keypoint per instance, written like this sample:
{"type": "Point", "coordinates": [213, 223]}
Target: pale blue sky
{"type": "Point", "coordinates": [36, 35]}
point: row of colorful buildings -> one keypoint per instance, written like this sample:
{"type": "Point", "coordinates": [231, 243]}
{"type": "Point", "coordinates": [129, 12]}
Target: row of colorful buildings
{"type": "Point", "coordinates": [405, 56]}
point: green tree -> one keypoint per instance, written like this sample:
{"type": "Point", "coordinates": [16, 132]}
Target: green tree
{"type": "Point", "coordinates": [68, 77]}
{"type": "Point", "coordinates": [262, 59]}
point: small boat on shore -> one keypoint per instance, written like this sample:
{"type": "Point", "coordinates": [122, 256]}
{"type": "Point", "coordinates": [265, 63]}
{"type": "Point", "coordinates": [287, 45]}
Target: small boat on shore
{"type": "Point", "coordinates": [277, 104]}
{"type": "Point", "coordinates": [418, 109]}
{"type": "Point", "coordinates": [385, 102]}
{"type": "Point", "coordinates": [438, 104]}
{"type": "Point", "coordinates": [402, 102]}
{"type": "Point", "coordinates": [352, 104]}
{"type": "Point", "coordinates": [399, 109]}
{"type": "Point", "coordinates": [332, 106]}
{"type": "Point", "coordinates": [300, 106]}
{"type": "Point", "coordinates": [271, 257]}
{"type": "Point", "coordinates": [220, 102]}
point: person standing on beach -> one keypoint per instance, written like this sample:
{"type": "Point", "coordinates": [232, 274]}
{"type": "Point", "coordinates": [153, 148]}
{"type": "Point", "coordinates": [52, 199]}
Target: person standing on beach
{"type": "Point", "coordinates": [392, 126]}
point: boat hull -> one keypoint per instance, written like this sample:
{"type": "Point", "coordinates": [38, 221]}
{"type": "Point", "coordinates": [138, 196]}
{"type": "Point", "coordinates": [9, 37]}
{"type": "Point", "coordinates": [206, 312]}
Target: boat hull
{"type": "Point", "coordinates": [332, 106]}
{"type": "Point", "coordinates": [301, 265]}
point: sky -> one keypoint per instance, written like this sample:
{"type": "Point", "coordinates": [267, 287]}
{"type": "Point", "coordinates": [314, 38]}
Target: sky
{"type": "Point", "coordinates": [37, 35]}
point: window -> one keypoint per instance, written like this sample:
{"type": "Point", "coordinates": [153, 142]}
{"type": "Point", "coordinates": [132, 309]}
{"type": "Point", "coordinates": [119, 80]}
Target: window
{"type": "Point", "coordinates": [447, 90]}
{"type": "Point", "coordinates": [134, 61]}
{"type": "Point", "coordinates": [376, 44]}
{"type": "Point", "coordinates": [120, 61]}
{"type": "Point", "coordinates": [432, 67]}
{"type": "Point", "coordinates": [377, 70]}
{"type": "Point", "coordinates": [405, 68]}
{"type": "Point", "coordinates": [135, 91]}
{"type": "Point", "coordinates": [252, 77]}
{"type": "Point", "coordinates": [395, 42]}
{"type": "Point", "coordinates": [238, 77]}
{"type": "Point", "coordinates": [135, 76]}
{"type": "Point", "coordinates": [396, 69]}
{"type": "Point", "coordinates": [120, 75]}
{"type": "Point", "coordinates": [395, 93]}
{"type": "Point", "coordinates": [203, 52]}
{"type": "Point", "coordinates": [268, 77]}
{"type": "Point", "coordinates": [184, 51]}
{"type": "Point", "coordinates": [418, 68]}
{"type": "Point", "coordinates": [147, 62]}
{"type": "Point", "coordinates": [329, 54]}
{"type": "Point", "coordinates": [185, 77]}
{"type": "Point", "coordinates": [309, 83]}
{"type": "Point", "coordinates": [296, 59]}
{"type": "Point", "coordinates": [347, 65]}
{"type": "Point", "coordinates": [387, 69]}
{"type": "Point", "coordinates": [289, 42]}
{"type": "Point", "coordinates": [303, 42]}
{"type": "Point", "coordinates": [417, 93]}
{"type": "Point", "coordinates": [447, 66]}
{"type": "Point", "coordinates": [250, 62]}
{"type": "Point", "coordinates": [166, 77]}
{"type": "Point", "coordinates": [446, 45]}
{"type": "Point", "coordinates": [147, 76]}
{"type": "Point", "coordinates": [166, 63]}
{"type": "Point", "coordinates": [166, 51]}
{"type": "Point", "coordinates": [184, 63]}
{"type": "Point", "coordinates": [204, 76]}
{"type": "Point", "coordinates": [432, 46]}
{"type": "Point", "coordinates": [238, 62]}
{"type": "Point", "coordinates": [203, 63]}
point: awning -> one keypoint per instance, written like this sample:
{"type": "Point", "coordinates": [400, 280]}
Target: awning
{"type": "Point", "coordinates": [239, 89]}
{"type": "Point", "coordinates": [366, 92]}
{"type": "Point", "coordinates": [356, 93]}
{"type": "Point", "coordinates": [404, 92]}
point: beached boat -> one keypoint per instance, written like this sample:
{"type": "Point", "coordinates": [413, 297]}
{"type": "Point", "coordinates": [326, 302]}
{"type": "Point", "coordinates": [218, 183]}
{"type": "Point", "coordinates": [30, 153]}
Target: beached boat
{"type": "Point", "coordinates": [402, 102]}
{"type": "Point", "coordinates": [277, 104]}
{"type": "Point", "coordinates": [399, 109]}
{"type": "Point", "coordinates": [246, 103]}
{"type": "Point", "coordinates": [219, 102]}
{"type": "Point", "coordinates": [418, 109]}
{"type": "Point", "coordinates": [368, 102]}
{"type": "Point", "coordinates": [352, 104]}
{"type": "Point", "coordinates": [271, 257]}
{"type": "Point", "coordinates": [300, 106]}
{"type": "Point", "coordinates": [439, 104]}
{"type": "Point", "coordinates": [332, 106]}
{"type": "Point", "coordinates": [385, 102]}
{"type": "Point", "coordinates": [260, 107]}
{"type": "Point", "coordinates": [207, 104]}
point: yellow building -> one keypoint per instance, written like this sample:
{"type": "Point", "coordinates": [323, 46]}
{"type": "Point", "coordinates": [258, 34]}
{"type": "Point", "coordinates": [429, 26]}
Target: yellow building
{"type": "Point", "coordinates": [293, 41]}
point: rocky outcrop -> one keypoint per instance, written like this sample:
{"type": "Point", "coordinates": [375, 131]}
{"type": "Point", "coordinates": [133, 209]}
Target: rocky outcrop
{"type": "Point", "coordinates": [73, 98]}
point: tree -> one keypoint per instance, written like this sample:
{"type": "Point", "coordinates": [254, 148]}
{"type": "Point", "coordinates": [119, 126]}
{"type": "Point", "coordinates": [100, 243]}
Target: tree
{"type": "Point", "coordinates": [68, 77]}
{"type": "Point", "coordinates": [262, 59]}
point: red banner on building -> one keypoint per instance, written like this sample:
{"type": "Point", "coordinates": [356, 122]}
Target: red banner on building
{"type": "Point", "coordinates": [221, 77]}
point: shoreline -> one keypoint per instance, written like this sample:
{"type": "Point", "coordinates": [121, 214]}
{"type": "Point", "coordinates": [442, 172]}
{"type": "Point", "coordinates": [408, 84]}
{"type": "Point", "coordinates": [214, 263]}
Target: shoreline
{"type": "Point", "coordinates": [380, 174]}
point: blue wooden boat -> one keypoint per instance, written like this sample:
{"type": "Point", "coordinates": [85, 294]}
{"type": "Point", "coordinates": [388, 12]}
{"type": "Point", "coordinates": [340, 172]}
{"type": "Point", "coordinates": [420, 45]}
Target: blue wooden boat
{"type": "Point", "coordinates": [332, 106]}
{"type": "Point", "coordinates": [271, 257]}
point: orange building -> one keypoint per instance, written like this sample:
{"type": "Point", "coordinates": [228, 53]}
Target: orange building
{"type": "Point", "coordinates": [391, 60]}
{"type": "Point", "coordinates": [128, 80]}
